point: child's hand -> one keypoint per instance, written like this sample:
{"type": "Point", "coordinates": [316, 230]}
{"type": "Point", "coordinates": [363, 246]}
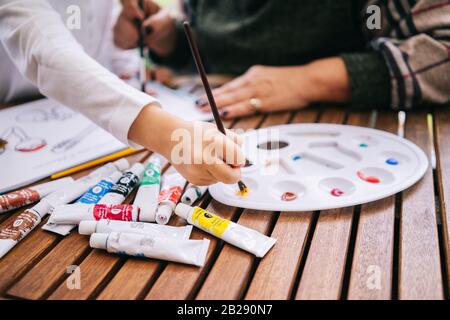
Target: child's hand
{"type": "Point", "coordinates": [197, 150]}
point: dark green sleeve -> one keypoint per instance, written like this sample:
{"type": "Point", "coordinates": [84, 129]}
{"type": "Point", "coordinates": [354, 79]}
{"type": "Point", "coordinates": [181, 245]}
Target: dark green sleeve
{"type": "Point", "coordinates": [370, 83]}
{"type": "Point", "coordinates": [181, 54]}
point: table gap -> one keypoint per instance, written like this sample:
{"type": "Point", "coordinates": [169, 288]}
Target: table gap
{"type": "Point", "coordinates": [301, 267]}
{"type": "Point", "coordinates": [198, 285]}
{"type": "Point", "coordinates": [440, 213]}
{"type": "Point", "coordinates": [66, 275]}
{"type": "Point", "coordinates": [350, 252]}
{"type": "Point", "coordinates": [256, 261]}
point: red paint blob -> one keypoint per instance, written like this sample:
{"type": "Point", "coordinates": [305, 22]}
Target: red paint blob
{"type": "Point", "coordinates": [370, 179]}
{"type": "Point", "coordinates": [288, 196]}
{"type": "Point", "coordinates": [337, 192]}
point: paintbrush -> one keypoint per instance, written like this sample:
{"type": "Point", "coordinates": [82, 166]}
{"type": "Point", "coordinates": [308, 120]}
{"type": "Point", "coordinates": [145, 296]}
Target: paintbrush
{"type": "Point", "coordinates": [201, 70]}
{"type": "Point", "coordinates": [141, 45]}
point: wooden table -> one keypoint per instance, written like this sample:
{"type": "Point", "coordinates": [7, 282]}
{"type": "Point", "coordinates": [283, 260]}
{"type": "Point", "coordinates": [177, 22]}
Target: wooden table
{"type": "Point", "coordinates": [395, 248]}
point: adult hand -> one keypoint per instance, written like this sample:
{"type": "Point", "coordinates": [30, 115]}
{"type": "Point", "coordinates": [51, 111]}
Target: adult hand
{"type": "Point", "coordinates": [271, 89]}
{"type": "Point", "coordinates": [157, 25]}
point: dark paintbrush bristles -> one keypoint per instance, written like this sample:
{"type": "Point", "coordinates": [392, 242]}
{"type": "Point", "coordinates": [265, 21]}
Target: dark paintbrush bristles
{"type": "Point", "coordinates": [202, 73]}
{"type": "Point", "coordinates": [3, 143]}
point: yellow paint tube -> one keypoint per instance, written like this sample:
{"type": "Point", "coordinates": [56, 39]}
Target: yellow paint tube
{"type": "Point", "coordinates": [242, 237]}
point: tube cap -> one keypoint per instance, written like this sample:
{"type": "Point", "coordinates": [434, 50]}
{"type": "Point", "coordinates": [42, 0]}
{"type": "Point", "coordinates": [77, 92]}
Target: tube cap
{"type": "Point", "coordinates": [182, 210]}
{"type": "Point", "coordinates": [98, 240]}
{"type": "Point", "coordinates": [122, 164]}
{"type": "Point", "coordinates": [138, 169]}
{"type": "Point", "coordinates": [189, 197]}
{"type": "Point", "coordinates": [87, 227]}
{"type": "Point", "coordinates": [163, 214]}
{"type": "Point", "coordinates": [115, 176]}
{"type": "Point", "coordinates": [147, 213]}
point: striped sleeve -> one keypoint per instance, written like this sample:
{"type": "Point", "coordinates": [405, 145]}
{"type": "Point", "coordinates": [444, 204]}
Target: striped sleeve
{"type": "Point", "coordinates": [417, 51]}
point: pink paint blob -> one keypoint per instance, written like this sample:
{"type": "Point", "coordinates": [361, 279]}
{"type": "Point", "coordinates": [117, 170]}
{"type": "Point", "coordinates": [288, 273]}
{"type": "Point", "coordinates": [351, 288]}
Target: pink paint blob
{"type": "Point", "coordinates": [336, 192]}
{"type": "Point", "coordinates": [288, 196]}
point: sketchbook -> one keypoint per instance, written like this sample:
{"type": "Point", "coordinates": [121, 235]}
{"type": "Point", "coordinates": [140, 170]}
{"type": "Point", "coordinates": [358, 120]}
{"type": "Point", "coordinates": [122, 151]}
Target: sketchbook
{"type": "Point", "coordinates": [44, 137]}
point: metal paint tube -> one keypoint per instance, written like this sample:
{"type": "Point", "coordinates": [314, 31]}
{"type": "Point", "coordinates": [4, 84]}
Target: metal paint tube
{"type": "Point", "coordinates": [21, 198]}
{"type": "Point", "coordinates": [79, 187]}
{"type": "Point", "coordinates": [75, 213]}
{"type": "Point", "coordinates": [171, 189]}
{"type": "Point", "coordinates": [192, 193]}
{"type": "Point", "coordinates": [88, 227]}
{"type": "Point", "coordinates": [147, 195]}
{"type": "Point", "coordinates": [18, 229]}
{"type": "Point", "coordinates": [242, 237]}
{"type": "Point", "coordinates": [120, 191]}
{"type": "Point", "coordinates": [92, 196]}
{"type": "Point", "coordinates": [182, 251]}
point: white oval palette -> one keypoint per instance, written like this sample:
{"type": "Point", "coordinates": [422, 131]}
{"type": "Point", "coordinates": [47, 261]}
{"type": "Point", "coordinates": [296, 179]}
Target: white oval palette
{"type": "Point", "coordinates": [305, 167]}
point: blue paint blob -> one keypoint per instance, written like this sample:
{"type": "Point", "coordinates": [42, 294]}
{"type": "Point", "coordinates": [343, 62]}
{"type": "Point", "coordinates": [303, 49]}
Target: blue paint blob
{"type": "Point", "coordinates": [296, 158]}
{"type": "Point", "coordinates": [392, 161]}
{"type": "Point", "coordinates": [363, 145]}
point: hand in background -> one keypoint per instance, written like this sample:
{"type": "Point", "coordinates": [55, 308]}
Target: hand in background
{"type": "Point", "coordinates": [157, 24]}
{"type": "Point", "coordinates": [281, 88]}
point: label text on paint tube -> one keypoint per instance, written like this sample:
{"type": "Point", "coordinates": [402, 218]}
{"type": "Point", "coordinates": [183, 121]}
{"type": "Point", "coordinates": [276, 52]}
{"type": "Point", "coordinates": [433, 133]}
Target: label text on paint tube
{"type": "Point", "coordinates": [152, 174]}
{"type": "Point", "coordinates": [126, 184]}
{"type": "Point", "coordinates": [18, 199]}
{"type": "Point", "coordinates": [121, 212]}
{"type": "Point", "coordinates": [210, 221]}
{"type": "Point", "coordinates": [21, 226]}
{"type": "Point", "coordinates": [94, 195]}
{"type": "Point", "coordinates": [172, 194]}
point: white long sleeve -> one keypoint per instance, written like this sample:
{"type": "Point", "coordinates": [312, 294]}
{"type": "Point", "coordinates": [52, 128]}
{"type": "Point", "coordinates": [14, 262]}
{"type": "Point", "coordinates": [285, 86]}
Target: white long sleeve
{"type": "Point", "coordinates": [46, 53]}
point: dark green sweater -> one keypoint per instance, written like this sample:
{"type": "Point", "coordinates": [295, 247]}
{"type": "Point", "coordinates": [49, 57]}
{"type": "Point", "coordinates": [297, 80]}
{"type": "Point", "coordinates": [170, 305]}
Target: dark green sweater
{"type": "Point", "coordinates": [236, 34]}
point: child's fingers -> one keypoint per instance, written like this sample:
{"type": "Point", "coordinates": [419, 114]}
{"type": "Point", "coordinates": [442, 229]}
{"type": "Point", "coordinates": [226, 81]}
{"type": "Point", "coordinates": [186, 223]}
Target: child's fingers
{"type": "Point", "coordinates": [235, 137]}
{"type": "Point", "coordinates": [224, 173]}
{"type": "Point", "coordinates": [229, 151]}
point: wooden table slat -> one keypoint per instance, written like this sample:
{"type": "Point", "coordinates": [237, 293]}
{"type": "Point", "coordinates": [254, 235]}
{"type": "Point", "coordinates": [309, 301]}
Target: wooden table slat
{"type": "Point", "coordinates": [420, 267]}
{"type": "Point", "coordinates": [323, 274]}
{"type": "Point", "coordinates": [372, 265]}
{"type": "Point", "coordinates": [442, 132]}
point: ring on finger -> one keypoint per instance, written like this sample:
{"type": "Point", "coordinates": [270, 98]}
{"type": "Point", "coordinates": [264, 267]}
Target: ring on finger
{"type": "Point", "coordinates": [256, 104]}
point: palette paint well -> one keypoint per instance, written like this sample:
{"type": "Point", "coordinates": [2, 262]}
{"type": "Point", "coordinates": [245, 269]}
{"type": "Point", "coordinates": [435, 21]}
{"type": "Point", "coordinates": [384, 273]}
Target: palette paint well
{"type": "Point", "coordinates": [322, 166]}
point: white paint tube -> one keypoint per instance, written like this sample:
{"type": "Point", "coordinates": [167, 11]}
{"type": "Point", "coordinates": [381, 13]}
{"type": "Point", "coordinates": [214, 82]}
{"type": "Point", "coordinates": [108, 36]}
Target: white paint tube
{"type": "Point", "coordinates": [78, 188]}
{"type": "Point", "coordinates": [88, 227]}
{"type": "Point", "coordinates": [147, 195]}
{"type": "Point", "coordinates": [183, 251]}
{"type": "Point", "coordinates": [18, 229]}
{"type": "Point", "coordinates": [171, 189]}
{"type": "Point", "coordinates": [242, 237]}
{"type": "Point", "coordinates": [75, 213]}
{"type": "Point", "coordinates": [25, 222]}
{"type": "Point", "coordinates": [28, 220]}
{"type": "Point", "coordinates": [192, 194]}
{"type": "Point", "coordinates": [92, 196]}
{"type": "Point", "coordinates": [120, 191]}
{"type": "Point", "coordinates": [21, 198]}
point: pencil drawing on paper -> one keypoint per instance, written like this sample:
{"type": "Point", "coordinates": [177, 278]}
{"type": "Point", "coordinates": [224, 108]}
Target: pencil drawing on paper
{"type": "Point", "coordinates": [38, 115]}
{"type": "Point", "coordinates": [23, 142]}
{"type": "Point", "coordinates": [70, 143]}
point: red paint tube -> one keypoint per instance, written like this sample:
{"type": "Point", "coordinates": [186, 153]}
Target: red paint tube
{"type": "Point", "coordinates": [75, 213]}
{"type": "Point", "coordinates": [171, 188]}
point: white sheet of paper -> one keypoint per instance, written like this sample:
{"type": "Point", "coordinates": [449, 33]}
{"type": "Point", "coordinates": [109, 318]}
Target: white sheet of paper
{"type": "Point", "coordinates": [45, 137]}
{"type": "Point", "coordinates": [178, 103]}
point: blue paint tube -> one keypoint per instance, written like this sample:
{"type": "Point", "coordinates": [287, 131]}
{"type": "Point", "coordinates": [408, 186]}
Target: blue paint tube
{"type": "Point", "coordinates": [92, 196]}
{"type": "Point", "coordinates": [96, 193]}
